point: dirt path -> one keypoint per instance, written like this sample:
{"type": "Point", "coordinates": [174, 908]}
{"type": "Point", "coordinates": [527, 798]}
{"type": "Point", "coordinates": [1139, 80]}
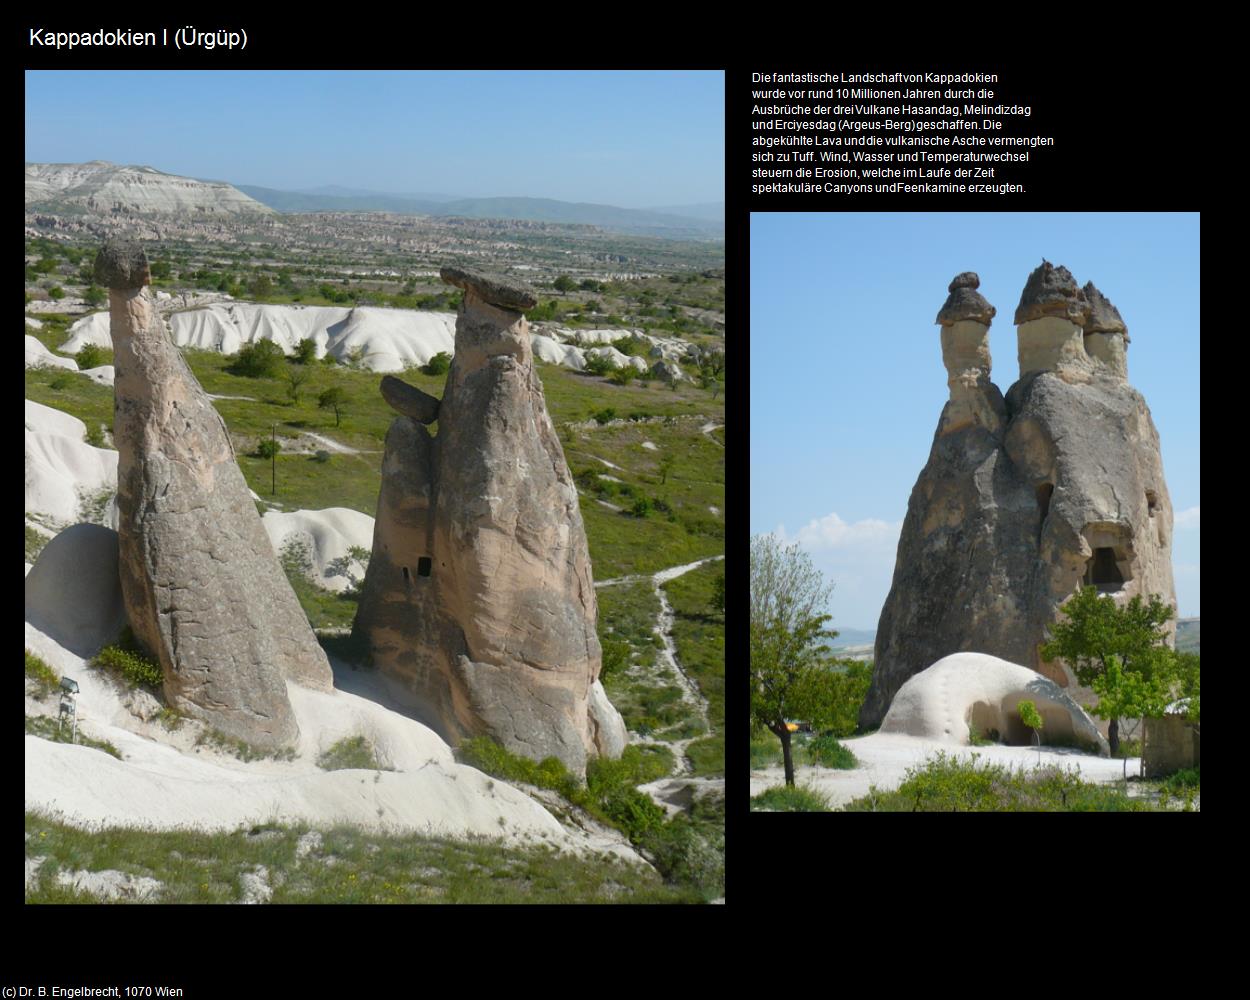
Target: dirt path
{"type": "Point", "coordinates": [667, 655]}
{"type": "Point", "coordinates": [707, 430]}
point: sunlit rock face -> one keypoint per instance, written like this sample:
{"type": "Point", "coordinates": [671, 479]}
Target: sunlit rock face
{"type": "Point", "coordinates": [479, 596]}
{"type": "Point", "coordinates": [1028, 496]}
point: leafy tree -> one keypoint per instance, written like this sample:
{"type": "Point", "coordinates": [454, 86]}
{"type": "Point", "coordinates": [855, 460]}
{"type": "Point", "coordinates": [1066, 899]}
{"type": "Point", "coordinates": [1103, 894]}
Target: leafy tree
{"type": "Point", "coordinates": [56, 292]}
{"type": "Point", "coordinates": [564, 284]}
{"type": "Point", "coordinates": [160, 270]}
{"type": "Point", "coordinates": [788, 678]}
{"type": "Point", "coordinates": [45, 265]}
{"type": "Point", "coordinates": [1030, 717]}
{"type": "Point", "coordinates": [268, 448]}
{"type": "Point", "coordinates": [1118, 652]}
{"type": "Point", "coordinates": [95, 296]}
{"type": "Point", "coordinates": [260, 287]}
{"type": "Point", "coordinates": [296, 376]}
{"type": "Point", "coordinates": [306, 351]}
{"type": "Point", "coordinates": [333, 399]}
{"type": "Point", "coordinates": [263, 359]}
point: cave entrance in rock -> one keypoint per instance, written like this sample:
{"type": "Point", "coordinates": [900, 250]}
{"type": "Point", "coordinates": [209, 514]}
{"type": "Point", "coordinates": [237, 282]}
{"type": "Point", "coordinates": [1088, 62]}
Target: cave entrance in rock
{"type": "Point", "coordinates": [1004, 719]}
{"type": "Point", "coordinates": [1103, 572]}
{"type": "Point", "coordinates": [424, 564]}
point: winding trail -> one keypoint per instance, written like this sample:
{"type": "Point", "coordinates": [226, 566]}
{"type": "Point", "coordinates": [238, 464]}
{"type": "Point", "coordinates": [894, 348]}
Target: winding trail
{"type": "Point", "coordinates": [707, 430]}
{"type": "Point", "coordinates": [667, 655]}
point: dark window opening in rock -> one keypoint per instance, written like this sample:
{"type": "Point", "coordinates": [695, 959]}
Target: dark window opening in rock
{"type": "Point", "coordinates": [405, 574]}
{"type": "Point", "coordinates": [1102, 572]}
{"type": "Point", "coordinates": [424, 565]}
{"type": "Point", "coordinates": [1152, 502]}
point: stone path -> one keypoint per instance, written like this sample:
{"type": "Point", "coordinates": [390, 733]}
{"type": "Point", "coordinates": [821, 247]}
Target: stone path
{"type": "Point", "coordinates": [667, 655]}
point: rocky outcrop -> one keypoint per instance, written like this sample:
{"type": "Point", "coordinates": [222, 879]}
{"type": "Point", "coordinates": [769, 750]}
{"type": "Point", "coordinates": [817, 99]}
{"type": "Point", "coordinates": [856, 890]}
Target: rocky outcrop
{"type": "Point", "coordinates": [202, 587]}
{"type": "Point", "coordinates": [1027, 497]}
{"type": "Point", "coordinates": [479, 595]}
{"type": "Point", "coordinates": [973, 693]}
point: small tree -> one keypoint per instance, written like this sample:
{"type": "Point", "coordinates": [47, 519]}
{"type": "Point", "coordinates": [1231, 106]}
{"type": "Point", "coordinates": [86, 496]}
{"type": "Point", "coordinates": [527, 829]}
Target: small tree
{"type": "Point", "coordinates": [306, 351]}
{"type": "Point", "coordinates": [787, 621]}
{"type": "Point", "coordinates": [267, 448]}
{"type": "Point", "coordinates": [666, 466]}
{"type": "Point", "coordinates": [1119, 652]}
{"type": "Point", "coordinates": [296, 376]}
{"type": "Point", "coordinates": [1031, 718]}
{"type": "Point", "coordinates": [333, 399]}
{"type": "Point", "coordinates": [564, 284]}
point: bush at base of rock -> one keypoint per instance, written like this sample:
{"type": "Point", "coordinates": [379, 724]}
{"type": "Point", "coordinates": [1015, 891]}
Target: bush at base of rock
{"type": "Point", "coordinates": [130, 666]}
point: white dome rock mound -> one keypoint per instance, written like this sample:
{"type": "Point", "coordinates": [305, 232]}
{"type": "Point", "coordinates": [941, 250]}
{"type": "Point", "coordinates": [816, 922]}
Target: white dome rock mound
{"type": "Point", "coordinates": [73, 593]}
{"type": "Point", "coordinates": [38, 356]}
{"type": "Point", "coordinates": [326, 536]}
{"type": "Point", "coordinates": [974, 690]}
{"type": "Point", "coordinates": [61, 468]}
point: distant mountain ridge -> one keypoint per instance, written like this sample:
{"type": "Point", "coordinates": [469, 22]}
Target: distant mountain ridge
{"type": "Point", "coordinates": [631, 220]}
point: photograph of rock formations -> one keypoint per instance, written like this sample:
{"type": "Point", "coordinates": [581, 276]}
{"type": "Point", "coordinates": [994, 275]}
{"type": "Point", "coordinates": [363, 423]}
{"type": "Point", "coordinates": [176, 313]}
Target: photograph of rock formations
{"type": "Point", "coordinates": [1015, 628]}
{"type": "Point", "coordinates": [375, 507]}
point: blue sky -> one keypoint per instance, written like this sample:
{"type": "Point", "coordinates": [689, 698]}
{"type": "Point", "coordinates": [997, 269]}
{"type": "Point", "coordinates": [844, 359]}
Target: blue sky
{"type": "Point", "coordinates": [629, 138]}
{"type": "Point", "coordinates": [847, 381]}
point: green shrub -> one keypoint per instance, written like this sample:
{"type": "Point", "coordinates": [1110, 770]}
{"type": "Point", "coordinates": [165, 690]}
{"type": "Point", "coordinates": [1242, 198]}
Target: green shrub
{"type": "Point", "coordinates": [42, 674]}
{"type": "Point", "coordinates": [786, 798]}
{"type": "Point", "coordinates": [96, 438]}
{"type": "Point", "coordinates": [131, 666]}
{"type": "Point", "coordinates": [603, 416]}
{"type": "Point", "coordinates": [953, 784]}
{"type": "Point", "coordinates": [622, 376]}
{"type": "Point", "coordinates": [268, 447]}
{"type": "Point", "coordinates": [600, 365]}
{"type": "Point", "coordinates": [321, 456]}
{"type": "Point", "coordinates": [440, 364]}
{"type": "Point", "coordinates": [263, 359]}
{"type": "Point", "coordinates": [92, 356]}
{"type": "Point", "coordinates": [642, 507]}
{"type": "Point", "coordinates": [48, 728]}
{"type": "Point", "coordinates": [95, 296]}
{"type": "Point", "coordinates": [351, 753]}
{"type": "Point", "coordinates": [56, 292]}
{"type": "Point", "coordinates": [826, 751]}
{"type": "Point", "coordinates": [245, 751]}
{"type": "Point", "coordinates": [62, 380]}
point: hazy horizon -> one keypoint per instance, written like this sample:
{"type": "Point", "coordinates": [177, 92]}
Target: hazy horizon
{"type": "Point", "coordinates": [631, 139]}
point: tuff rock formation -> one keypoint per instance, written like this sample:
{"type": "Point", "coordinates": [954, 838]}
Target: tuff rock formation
{"type": "Point", "coordinates": [202, 587]}
{"type": "Point", "coordinates": [972, 692]}
{"type": "Point", "coordinates": [479, 596]}
{"type": "Point", "coordinates": [1025, 498]}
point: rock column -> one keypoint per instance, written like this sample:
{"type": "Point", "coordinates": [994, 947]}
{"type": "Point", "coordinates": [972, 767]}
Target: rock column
{"type": "Point", "coordinates": [965, 320]}
{"type": "Point", "coordinates": [202, 587]}
{"type": "Point", "coordinates": [479, 595]}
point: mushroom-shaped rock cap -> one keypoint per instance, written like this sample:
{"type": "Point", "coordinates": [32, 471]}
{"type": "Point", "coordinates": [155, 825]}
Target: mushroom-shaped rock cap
{"type": "Point", "coordinates": [122, 264]}
{"type": "Point", "coordinates": [409, 400]}
{"type": "Point", "coordinates": [1103, 316]}
{"type": "Point", "coordinates": [494, 288]}
{"type": "Point", "coordinates": [965, 302]}
{"type": "Point", "coordinates": [1052, 291]}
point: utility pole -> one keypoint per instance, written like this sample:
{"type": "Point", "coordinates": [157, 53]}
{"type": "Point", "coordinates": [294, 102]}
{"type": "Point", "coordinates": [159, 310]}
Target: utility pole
{"type": "Point", "coordinates": [273, 482]}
